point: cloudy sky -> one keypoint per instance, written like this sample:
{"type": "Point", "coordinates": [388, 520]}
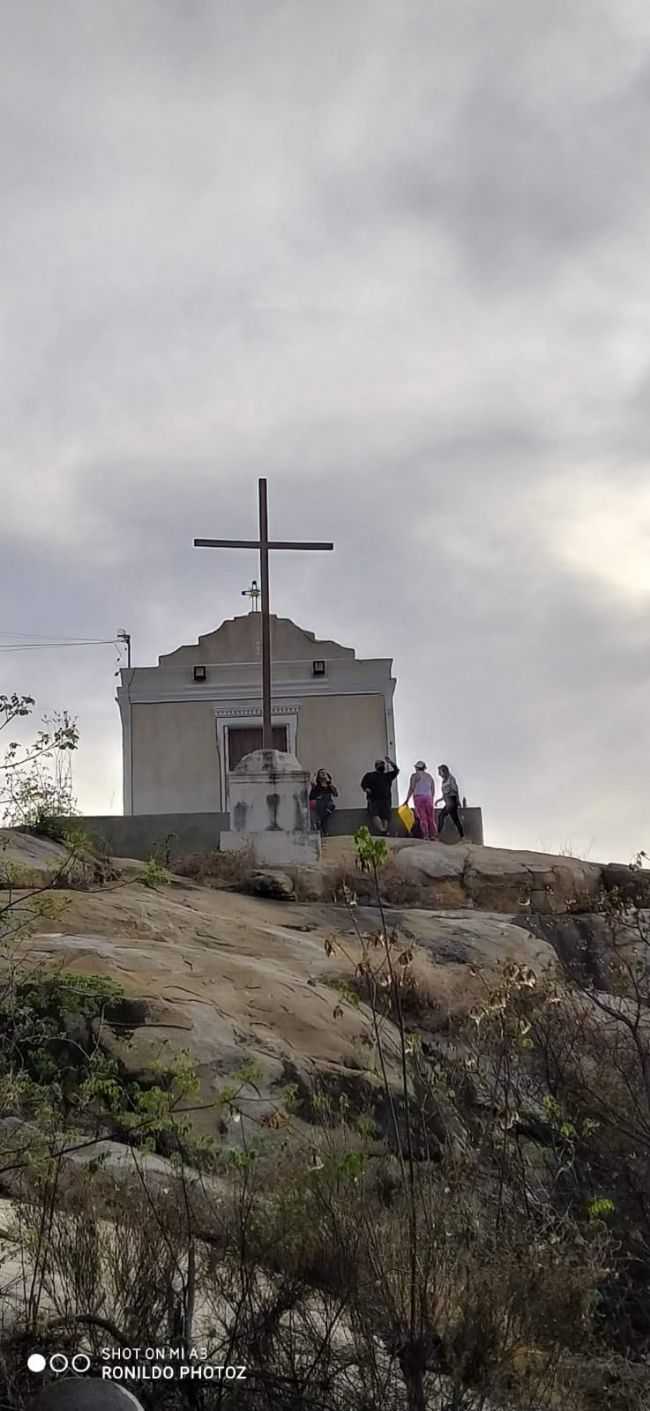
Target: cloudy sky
{"type": "Point", "coordinates": [395, 257]}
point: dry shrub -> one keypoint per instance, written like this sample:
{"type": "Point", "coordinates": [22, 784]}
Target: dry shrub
{"type": "Point", "coordinates": [345, 881]}
{"type": "Point", "coordinates": [589, 1384]}
{"type": "Point", "coordinates": [418, 993]}
{"type": "Point", "coordinates": [196, 865]}
{"type": "Point", "coordinates": [308, 883]}
{"type": "Point", "coordinates": [399, 890]}
{"type": "Point", "coordinates": [227, 871]}
{"type": "Point", "coordinates": [394, 888]}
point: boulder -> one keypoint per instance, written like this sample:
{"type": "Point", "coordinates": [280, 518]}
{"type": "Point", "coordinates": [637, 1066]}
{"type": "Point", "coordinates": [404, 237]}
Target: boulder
{"type": "Point", "coordinates": [431, 862]}
{"type": "Point", "coordinates": [28, 860]}
{"type": "Point", "coordinates": [581, 942]}
{"type": "Point", "coordinates": [497, 879]}
{"type": "Point", "coordinates": [113, 1162]}
{"type": "Point", "coordinates": [631, 884]}
{"type": "Point", "coordinates": [458, 953]}
{"type": "Point", "coordinates": [277, 885]}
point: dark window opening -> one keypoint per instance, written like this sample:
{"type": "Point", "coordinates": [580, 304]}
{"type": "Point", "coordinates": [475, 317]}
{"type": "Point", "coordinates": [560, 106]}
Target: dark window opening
{"type": "Point", "coordinates": [243, 739]}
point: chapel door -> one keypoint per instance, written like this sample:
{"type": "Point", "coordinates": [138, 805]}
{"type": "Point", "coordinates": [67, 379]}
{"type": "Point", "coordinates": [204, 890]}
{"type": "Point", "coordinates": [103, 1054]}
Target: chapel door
{"type": "Point", "coordinates": [243, 739]}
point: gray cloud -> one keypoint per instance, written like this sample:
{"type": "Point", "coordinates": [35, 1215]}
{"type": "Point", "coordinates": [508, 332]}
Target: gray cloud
{"type": "Point", "coordinates": [395, 260]}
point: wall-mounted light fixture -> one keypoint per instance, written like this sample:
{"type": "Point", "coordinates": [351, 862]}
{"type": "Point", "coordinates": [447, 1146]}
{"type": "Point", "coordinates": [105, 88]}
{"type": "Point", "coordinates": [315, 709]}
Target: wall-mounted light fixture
{"type": "Point", "coordinates": [200, 673]}
{"type": "Point", "coordinates": [318, 668]}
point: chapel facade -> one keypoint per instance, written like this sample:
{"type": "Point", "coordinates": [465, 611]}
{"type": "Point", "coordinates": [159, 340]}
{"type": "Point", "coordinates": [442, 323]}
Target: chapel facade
{"type": "Point", "coordinates": [187, 722]}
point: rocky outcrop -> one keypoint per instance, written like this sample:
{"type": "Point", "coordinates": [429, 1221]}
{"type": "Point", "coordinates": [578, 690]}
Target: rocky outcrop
{"type": "Point", "coordinates": [237, 979]}
{"type": "Point", "coordinates": [496, 879]}
{"type": "Point", "coordinates": [231, 978]}
{"type": "Point", "coordinates": [240, 979]}
{"type": "Point", "coordinates": [113, 1162]}
{"type": "Point", "coordinates": [581, 942]}
{"type": "Point", "coordinates": [456, 954]}
{"type": "Point", "coordinates": [457, 875]}
{"type": "Point", "coordinates": [489, 879]}
{"type": "Point", "coordinates": [28, 861]}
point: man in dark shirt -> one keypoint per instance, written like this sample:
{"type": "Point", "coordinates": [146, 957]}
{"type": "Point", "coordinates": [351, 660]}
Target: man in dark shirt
{"type": "Point", "coordinates": [377, 785]}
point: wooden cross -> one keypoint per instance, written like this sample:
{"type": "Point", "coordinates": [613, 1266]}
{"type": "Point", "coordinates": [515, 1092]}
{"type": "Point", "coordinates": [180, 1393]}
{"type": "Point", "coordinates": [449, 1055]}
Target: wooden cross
{"type": "Point", "coordinates": [263, 544]}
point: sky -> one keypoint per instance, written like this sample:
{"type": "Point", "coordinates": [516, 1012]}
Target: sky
{"type": "Point", "coordinates": [395, 258]}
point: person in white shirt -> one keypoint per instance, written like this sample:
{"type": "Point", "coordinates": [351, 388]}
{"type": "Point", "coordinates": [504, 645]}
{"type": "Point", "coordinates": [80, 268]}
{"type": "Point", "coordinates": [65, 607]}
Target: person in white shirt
{"type": "Point", "coordinates": [422, 790]}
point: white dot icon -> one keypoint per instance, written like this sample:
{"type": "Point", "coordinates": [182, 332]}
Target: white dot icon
{"type": "Point", "coordinates": [36, 1362]}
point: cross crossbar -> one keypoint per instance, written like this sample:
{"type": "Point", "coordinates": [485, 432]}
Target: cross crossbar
{"type": "Point", "coordinates": [263, 545]}
{"type": "Point", "coordinates": [255, 544]}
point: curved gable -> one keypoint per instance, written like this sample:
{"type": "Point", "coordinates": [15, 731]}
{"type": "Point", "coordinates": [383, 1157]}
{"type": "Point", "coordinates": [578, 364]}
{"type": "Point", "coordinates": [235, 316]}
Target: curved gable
{"type": "Point", "coordinates": [238, 639]}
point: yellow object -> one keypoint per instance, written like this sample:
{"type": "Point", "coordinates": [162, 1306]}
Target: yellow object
{"type": "Point", "coordinates": [407, 816]}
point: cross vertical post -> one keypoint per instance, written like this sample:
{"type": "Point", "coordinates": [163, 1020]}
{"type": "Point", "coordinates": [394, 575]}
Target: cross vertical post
{"type": "Point", "coordinates": [263, 545]}
{"type": "Point", "coordinates": [267, 727]}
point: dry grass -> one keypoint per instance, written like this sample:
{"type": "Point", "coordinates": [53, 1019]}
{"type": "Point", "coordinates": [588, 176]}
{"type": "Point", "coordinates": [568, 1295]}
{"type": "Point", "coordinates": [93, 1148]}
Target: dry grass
{"type": "Point", "coordinates": [227, 871]}
{"type": "Point", "coordinates": [394, 888]}
{"type": "Point", "coordinates": [233, 872]}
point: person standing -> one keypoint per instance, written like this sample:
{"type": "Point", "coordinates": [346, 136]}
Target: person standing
{"type": "Point", "coordinates": [322, 794]}
{"type": "Point", "coordinates": [377, 785]}
{"type": "Point", "coordinates": [422, 790]}
{"type": "Point", "coordinates": [450, 800]}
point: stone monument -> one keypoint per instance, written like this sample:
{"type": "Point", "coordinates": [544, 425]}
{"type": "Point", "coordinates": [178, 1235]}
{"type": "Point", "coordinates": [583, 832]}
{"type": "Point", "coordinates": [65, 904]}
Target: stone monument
{"type": "Point", "coordinates": [269, 810]}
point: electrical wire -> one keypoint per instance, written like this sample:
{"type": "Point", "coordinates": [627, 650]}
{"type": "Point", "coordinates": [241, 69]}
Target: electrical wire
{"type": "Point", "coordinates": [49, 646]}
{"type": "Point", "coordinates": [46, 637]}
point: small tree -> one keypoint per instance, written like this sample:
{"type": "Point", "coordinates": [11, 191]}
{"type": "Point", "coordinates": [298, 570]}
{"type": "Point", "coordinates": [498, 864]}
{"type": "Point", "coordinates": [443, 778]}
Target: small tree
{"type": "Point", "coordinates": [35, 784]}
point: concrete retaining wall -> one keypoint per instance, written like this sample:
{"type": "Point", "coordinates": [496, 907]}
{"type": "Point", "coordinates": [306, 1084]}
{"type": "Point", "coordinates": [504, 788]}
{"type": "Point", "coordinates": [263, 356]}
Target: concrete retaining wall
{"type": "Point", "coordinates": [140, 834]}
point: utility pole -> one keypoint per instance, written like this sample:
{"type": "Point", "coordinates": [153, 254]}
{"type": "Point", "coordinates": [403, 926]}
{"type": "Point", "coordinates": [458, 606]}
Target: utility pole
{"type": "Point", "coordinates": [123, 636]}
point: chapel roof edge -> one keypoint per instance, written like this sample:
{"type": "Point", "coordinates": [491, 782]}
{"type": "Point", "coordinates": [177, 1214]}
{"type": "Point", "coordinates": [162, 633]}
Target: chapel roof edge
{"type": "Point", "coordinates": [241, 625]}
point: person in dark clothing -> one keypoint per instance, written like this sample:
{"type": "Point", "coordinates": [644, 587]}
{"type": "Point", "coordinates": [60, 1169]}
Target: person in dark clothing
{"type": "Point", "coordinates": [450, 800]}
{"type": "Point", "coordinates": [377, 785]}
{"type": "Point", "coordinates": [321, 798]}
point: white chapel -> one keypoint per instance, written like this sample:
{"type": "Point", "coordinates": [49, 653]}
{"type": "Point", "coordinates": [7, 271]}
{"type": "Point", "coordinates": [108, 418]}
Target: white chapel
{"type": "Point", "coordinates": [187, 722]}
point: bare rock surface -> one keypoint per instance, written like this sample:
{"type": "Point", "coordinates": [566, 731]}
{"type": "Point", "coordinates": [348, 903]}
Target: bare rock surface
{"type": "Point", "coordinates": [235, 978]}
{"type": "Point", "coordinates": [498, 879]}
{"type": "Point", "coordinates": [121, 1164]}
{"type": "Point", "coordinates": [461, 874]}
{"type": "Point", "coordinates": [28, 860]}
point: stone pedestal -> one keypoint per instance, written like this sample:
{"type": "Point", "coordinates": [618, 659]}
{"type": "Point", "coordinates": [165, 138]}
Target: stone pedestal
{"type": "Point", "coordinates": [269, 810]}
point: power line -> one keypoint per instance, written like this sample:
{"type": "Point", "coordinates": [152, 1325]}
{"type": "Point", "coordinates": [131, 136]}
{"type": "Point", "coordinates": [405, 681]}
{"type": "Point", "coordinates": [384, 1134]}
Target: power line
{"type": "Point", "coordinates": [50, 646]}
{"type": "Point", "coordinates": [45, 637]}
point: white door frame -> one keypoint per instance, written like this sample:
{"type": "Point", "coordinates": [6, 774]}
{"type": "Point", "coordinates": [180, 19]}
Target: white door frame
{"type": "Point", "coordinates": [249, 715]}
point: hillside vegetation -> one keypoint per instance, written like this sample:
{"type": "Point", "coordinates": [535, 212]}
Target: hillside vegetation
{"type": "Point", "coordinates": [382, 1136]}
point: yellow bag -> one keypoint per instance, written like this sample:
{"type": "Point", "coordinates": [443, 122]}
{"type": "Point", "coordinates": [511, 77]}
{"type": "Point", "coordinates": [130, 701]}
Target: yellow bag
{"type": "Point", "coordinates": [406, 816]}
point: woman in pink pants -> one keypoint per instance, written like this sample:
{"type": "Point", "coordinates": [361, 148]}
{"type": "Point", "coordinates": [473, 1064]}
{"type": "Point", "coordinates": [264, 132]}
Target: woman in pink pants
{"type": "Point", "coordinates": [422, 791]}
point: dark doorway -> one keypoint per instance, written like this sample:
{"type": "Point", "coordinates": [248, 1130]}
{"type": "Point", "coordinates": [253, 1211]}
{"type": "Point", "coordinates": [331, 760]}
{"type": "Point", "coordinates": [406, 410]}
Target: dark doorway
{"type": "Point", "coordinates": [243, 739]}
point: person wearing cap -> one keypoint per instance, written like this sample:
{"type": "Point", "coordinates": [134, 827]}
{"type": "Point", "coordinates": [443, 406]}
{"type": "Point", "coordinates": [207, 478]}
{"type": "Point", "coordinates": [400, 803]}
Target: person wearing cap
{"type": "Point", "coordinates": [422, 790]}
{"type": "Point", "coordinates": [377, 786]}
